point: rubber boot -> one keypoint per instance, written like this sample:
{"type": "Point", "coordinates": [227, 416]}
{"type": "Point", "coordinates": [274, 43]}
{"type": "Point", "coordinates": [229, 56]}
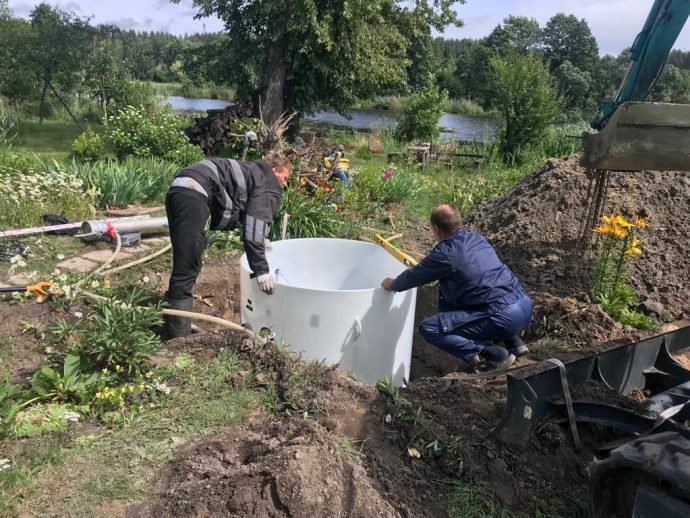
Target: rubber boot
{"type": "Point", "coordinates": [515, 346]}
{"type": "Point", "coordinates": [177, 327]}
{"type": "Point", "coordinates": [497, 358]}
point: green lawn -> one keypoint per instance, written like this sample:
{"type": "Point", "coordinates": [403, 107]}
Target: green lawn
{"type": "Point", "coordinates": [52, 139]}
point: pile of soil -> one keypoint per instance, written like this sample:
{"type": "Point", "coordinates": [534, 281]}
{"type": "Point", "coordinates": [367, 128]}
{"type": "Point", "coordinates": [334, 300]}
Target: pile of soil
{"type": "Point", "coordinates": [352, 456]}
{"type": "Point", "coordinates": [535, 228]}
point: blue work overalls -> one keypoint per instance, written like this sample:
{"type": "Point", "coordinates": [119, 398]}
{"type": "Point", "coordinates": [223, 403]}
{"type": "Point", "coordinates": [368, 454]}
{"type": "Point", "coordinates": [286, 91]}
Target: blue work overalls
{"type": "Point", "coordinates": [481, 302]}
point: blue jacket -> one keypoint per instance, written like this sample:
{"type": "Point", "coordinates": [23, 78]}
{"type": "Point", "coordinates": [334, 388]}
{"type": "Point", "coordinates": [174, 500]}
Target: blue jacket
{"type": "Point", "coordinates": [470, 273]}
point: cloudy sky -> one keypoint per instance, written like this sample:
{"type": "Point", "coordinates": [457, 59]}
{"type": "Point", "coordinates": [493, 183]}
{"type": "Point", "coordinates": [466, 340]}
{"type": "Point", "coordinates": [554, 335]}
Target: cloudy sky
{"type": "Point", "coordinates": [615, 23]}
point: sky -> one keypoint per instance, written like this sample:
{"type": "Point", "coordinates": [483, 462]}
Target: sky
{"type": "Point", "coordinates": [614, 23]}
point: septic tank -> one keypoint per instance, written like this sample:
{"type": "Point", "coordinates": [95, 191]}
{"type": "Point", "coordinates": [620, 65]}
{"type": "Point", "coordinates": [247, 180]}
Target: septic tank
{"type": "Point", "coordinates": [328, 306]}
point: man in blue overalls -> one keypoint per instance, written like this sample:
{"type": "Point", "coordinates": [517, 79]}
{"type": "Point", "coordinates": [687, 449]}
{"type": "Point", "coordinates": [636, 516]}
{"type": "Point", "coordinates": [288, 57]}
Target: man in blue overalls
{"type": "Point", "coordinates": [481, 302]}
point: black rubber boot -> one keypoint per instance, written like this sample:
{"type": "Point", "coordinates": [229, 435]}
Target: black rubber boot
{"type": "Point", "coordinates": [497, 358]}
{"type": "Point", "coordinates": [177, 327]}
{"type": "Point", "coordinates": [515, 346]}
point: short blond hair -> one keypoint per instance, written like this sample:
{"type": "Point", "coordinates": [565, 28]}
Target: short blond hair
{"type": "Point", "coordinates": [278, 160]}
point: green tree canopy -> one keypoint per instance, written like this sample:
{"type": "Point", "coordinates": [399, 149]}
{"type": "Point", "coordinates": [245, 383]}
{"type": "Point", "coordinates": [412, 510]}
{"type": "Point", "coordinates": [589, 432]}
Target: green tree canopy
{"type": "Point", "coordinates": [528, 99]}
{"type": "Point", "coordinates": [307, 54]}
{"type": "Point", "coordinates": [517, 34]}
{"type": "Point", "coordinates": [568, 39]}
{"type": "Point", "coordinates": [58, 49]}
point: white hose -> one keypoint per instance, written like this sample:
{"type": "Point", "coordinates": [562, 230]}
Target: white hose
{"type": "Point", "coordinates": [108, 262]}
{"type": "Point", "coordinates": [138, 261]}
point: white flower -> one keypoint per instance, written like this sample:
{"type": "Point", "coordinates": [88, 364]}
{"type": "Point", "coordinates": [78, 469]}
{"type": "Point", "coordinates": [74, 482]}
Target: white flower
{"type": "Point", "coordinates": [145, 279]}
{"type": "Point", "coordinates": [15, 259]}
{"type": "Point", "coordinates": [79, 314]}
{"type": "Point", "coordinates": [388, 419]}
{"type": "Point", "coordinates": [162, 387]}
{"type": "Point", "coordinates": [71, 416]}
{"type": "Point", "coordinates": [21, 264]}
{"type": "Point", "coordinates": [60, 257]}
{"type": "Point", "coordinates": [56, 272]}
{"type": "Point", "coordinates": [5, 464]}
{"type": "Point", "coordinates": [95, 284]}
{"type": "Point", "coordinates": [414, 453]}
{"type": "Point", "coordinates": [62, 277]}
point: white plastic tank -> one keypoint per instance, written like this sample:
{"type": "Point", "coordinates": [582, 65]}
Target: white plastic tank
{"type": "Point", "coordinates": [328, 305]}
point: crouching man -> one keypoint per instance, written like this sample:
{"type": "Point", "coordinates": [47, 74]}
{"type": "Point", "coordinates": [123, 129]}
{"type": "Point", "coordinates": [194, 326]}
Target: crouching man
{"type": "Point", "coordinates": [481, 302]}
{"type": "Point", "coordinates": [220, 194]}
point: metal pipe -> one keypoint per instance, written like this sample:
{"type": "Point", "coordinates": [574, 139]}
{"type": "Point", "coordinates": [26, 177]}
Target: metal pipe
{"type": "Point", "coordinates": [51, 228]}
{"type": "Point", "coordinates": [93, 230]}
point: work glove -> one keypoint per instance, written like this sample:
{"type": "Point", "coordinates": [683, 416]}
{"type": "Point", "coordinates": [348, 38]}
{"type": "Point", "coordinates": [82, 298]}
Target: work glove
{"type": "Point", "coordinates": [266, 283]}
{"type": "Point", "coordinates": [267, 244]}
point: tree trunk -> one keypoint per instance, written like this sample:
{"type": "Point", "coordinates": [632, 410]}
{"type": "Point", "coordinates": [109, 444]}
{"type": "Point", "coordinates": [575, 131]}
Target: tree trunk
{"type": "Point", "coordinates": [273, 91]}
{"type": "Point", "coordinates": [41, 109]}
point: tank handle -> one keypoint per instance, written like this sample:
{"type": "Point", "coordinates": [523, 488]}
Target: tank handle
{"type": "Point", "coordinates": [358, 328]}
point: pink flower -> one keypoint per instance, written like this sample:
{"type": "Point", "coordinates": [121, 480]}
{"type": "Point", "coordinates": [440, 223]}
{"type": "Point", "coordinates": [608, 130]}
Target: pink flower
{"type": "Point", "coordinates": [387, 175]}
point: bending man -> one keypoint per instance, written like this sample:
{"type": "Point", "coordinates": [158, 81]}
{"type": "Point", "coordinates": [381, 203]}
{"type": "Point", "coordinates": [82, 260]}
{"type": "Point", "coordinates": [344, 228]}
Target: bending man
{"type": "Point", "coordinates": [220, 194]}
{"type": "Point", "coordinates": [481, 302]}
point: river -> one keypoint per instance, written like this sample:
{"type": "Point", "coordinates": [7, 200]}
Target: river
{"type": "Point", "coordinates": [452, 126]}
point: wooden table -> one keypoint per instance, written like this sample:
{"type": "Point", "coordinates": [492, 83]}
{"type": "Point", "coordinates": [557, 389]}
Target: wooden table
{"type": "Point", "coordinates": [420, 150]}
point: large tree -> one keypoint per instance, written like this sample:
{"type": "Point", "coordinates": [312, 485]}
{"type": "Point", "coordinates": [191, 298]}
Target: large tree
{"type": "Point", "coordinates": [306, 54]}
{"type": "Point", "coordinates": [58, 49]}
{"type": "Point", "coordinates": [517, 34]}
{"type": "Point", "coordinates": [568, 39]}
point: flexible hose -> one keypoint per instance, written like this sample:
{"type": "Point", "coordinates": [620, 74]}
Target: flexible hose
{"type": "Point", "coordinates": [138, 261]}
{"type": "Point", "coordinates": [186, 314]}
{"type": "Point", "coordinates": [107, 263]}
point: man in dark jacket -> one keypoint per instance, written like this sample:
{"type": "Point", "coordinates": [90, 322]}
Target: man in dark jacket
{"type": "Point", "coordinates": [481, 302]}
{"type": "Point", "coordinates": [220, 194]}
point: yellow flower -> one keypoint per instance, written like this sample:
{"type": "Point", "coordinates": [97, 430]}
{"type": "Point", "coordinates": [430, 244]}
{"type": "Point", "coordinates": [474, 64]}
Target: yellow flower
{"type": "Point", "coordinates": [130, 389]}
{"type": "Point", "coordinates": [635, 243]}
{"type": "Point", "coordinates": [118, 368]}
{"type": "Point", "coordinates": [620, 220]}
{"type": "Point", "coordinates": [99, 395]}
{"type": "Point", "coordinates": [142, 387]}
{"type": "Point", "coordinates": [414, 453]}
{"type": "Point", "coordinates": [106, 284]}
{"type": "Point", "coordinates": [641, 222]}
{"type": "Point", "coordinates": [609, 220]}
{"type": "Point", "coordinates": [123, 390]}
{"type": "Point", "coordinates": [105, 371]}
{"type": "Point", "coordinates": [633, 249]}
{"type": "Point", "coordinates": [149, 374]}
{"type": "Point", "coordinates": [603, 230]}
{"type": "Point", "coordinates": [619, 232]}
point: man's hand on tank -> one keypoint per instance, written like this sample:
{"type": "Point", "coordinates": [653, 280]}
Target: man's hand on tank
{"type": "Point", "coordinates": [268, 245]}
{"type": "Point", "coordinates": [266, 283]}
{"type": "Point", "coordinates": [387, 283]}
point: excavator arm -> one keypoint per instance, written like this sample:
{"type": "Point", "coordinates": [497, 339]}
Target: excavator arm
{"type": "Point", "coordinates": [634, 135]}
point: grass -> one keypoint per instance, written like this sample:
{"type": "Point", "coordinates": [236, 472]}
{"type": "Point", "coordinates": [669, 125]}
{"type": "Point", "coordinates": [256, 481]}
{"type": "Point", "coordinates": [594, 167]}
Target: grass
{"type": "Point", "coordinates": [52, 139]}
{"type": "Point", "coordinates": [188, 89]}
{"type": "Point", "coordinates": [395, 103]}
{"type": "Point", "coordinates": [76, 477]}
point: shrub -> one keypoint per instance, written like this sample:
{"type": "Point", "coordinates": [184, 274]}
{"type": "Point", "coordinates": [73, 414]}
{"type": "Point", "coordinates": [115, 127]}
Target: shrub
{"type": "Point", "coordinates": [88, 146]}
{"type": "Point", "coordinates": [8, 129]}
{"type": "Point", "coordinates": [185, 155]}
{"type": "Point", "coordinates": [392, 185]}
{"type": "Point", "coordinates": [528, 100]}
{"type": "Point", "coordinates": [26, 194]}
{"type": "Point", "coordinates": [134, 131]}
{"type": "Point", "coordinates": [420, 114]}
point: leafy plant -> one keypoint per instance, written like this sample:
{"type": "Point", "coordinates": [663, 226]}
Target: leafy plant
{"type": "Point", "coordinates": [118, 336]}
{"type": "Point", "coordinates": [134, 180]}
{"type": "Point", "coordinates": [420, 114]}
{"type": "Point", "coordinates": [74, 384]}
{"type": "Point", "coordinates": [185, 154]}
{"type": "Point", "coordinates": [610, 289]}
{"type": "Point", "coordinates": [138, 132]}
{"type": "Point", "coordinates": [88, 146]}
{"type": "Point", "coordinates": [308, 217]}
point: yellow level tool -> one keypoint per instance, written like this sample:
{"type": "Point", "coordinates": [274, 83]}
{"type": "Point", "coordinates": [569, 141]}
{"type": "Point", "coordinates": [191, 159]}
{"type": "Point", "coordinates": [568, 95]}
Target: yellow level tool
{"type": "Point", "coordinates": [395, 251]}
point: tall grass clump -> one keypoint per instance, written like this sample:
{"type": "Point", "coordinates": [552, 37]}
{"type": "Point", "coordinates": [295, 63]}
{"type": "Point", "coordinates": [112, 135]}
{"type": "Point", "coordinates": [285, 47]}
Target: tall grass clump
{"type": "Point", "coordinates": [135, 180]}
{"type": "Point", "coordinates": [8, 129]}
{"type": "Point", "coordinates": [309, 217]}
{"type": "Point", "coordinates": [464, 107]}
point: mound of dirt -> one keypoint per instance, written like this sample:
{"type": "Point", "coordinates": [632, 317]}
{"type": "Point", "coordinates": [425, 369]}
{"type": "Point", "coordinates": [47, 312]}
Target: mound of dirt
{"type": "Point", "coordinates": [282, 469]}
{"type": "Point", "coordinates": [535, 228]}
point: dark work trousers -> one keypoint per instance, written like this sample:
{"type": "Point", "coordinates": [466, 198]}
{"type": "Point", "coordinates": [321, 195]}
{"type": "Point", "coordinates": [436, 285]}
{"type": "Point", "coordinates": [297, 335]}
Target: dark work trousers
{"type": "Point", "coordinates": [188, 216]}
{"type": "Point", "coordinates": [465, 333]}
